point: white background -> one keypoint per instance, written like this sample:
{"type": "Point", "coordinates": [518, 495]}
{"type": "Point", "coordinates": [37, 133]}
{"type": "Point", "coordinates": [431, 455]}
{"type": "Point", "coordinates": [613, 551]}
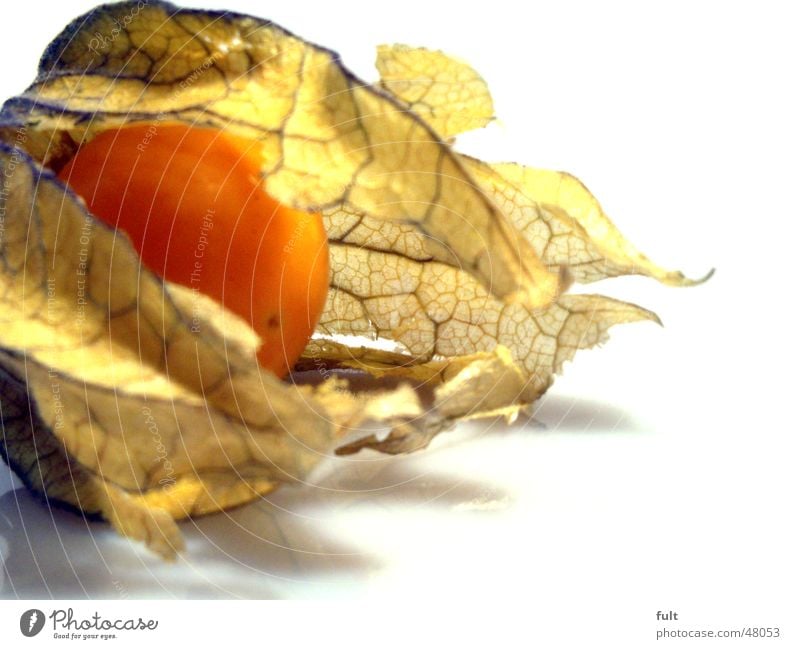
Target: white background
{"type": "Point", "coordinates": [660, 472]}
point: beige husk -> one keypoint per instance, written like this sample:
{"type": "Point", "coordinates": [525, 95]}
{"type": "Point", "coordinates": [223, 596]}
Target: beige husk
{"type": "Point", "coordinates": [143, 402]}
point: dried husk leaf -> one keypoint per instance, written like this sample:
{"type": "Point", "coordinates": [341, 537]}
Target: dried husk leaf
{"type": "Point", "coordinates": [447, 93]}
{"type": "Point", "coordinates": [386, 286]}
{"type": "Point", "coordinates": [565, 223]}
{"type": "Point", "coordinates": [442, 318]}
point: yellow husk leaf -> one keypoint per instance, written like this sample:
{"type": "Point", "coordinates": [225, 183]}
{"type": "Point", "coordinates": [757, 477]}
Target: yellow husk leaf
{"type": "Point", "coordinates": [448, 94]}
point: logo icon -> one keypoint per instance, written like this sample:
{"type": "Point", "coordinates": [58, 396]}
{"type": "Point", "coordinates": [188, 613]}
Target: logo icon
{"type": "Point", "coordinates": [31, 622]}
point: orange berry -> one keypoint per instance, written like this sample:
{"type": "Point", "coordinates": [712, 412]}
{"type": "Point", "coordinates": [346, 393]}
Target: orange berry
{"type": "Point", "coordinates": [192, 202]}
